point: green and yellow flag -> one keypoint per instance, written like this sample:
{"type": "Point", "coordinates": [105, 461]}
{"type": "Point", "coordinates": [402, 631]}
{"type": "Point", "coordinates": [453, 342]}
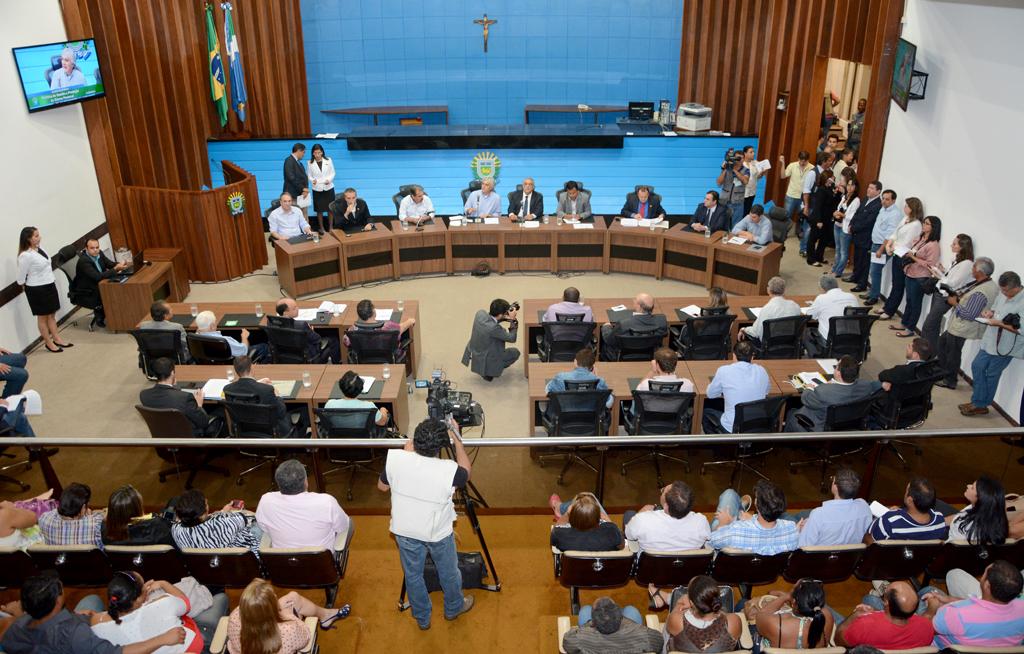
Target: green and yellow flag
{"type": "Point", "coordinates": [220, 100]}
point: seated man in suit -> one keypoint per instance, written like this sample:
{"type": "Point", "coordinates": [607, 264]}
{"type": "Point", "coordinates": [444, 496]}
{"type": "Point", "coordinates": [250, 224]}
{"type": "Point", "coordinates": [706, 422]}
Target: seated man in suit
{"type": "Point", "coordinates": [742, 381]}
{"type": "Point", "coordinates": [844, 387]}
{"type": "Point", "coordinates": [584, 371]}
{"type": "Point", "coordinates": [641, 205]}
{"type": "Point", "coordinates": [754, 227]}
{"type": "Point", "coordinates": [351, 385]}
{"type": "Point", "coordinates": [366, 318]}
{"type": "Point", "coordinates": [259, 391]}
{"type": "Point", "coordinates": [165, 395]}
{"type": "Point", "coordinates": [830, 304]}
{"type": "Point", "coordinates": [352, 214]}
{"type": "Point", "coordinates": [574, 205]}
{"type": "Point", "coordinates": [643, 321]}
{"type": "Point", "coordinates": [570, 304]}
{"type": "Point", "coordinates": [526, 204]}
{"type": "Point", "coordinates": [920, 365]}
{"type": "Point", "coordinates": [485, 353]}
{"type": "Point", "coordinates": [318, 348]}
{"type": "Point", "coordinates": [485, 202]}
{"type": "Point", "coordinates": [416, 207]}
{"type": "Point", "coordinates": [160, 314]}
{"type": "Point", "coordinates": [709, 216]}
{"type": "Point", "coordinates": [92, 267]}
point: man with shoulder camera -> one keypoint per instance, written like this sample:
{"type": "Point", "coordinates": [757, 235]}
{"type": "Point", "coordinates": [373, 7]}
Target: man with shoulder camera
{"type": "Point", "coordinates": [733, 181]}
{"type": "Point", "coordinates": [1001, 344]}
{"type": "Point", "coordinates": [422, 514]}
{"type": "Point", "coordinates": [486, 354]}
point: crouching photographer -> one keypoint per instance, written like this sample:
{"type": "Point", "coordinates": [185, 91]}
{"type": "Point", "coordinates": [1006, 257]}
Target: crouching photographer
{"type": "Point", "coordinates": [486, 354]}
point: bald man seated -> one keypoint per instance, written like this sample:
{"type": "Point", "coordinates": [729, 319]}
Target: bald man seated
{"type": "Point", "coordinates": [319, 348]}
{"type": "Point", "coordinates": [643, 321]}
{"type": "Point", "coordinates": [896, 626]}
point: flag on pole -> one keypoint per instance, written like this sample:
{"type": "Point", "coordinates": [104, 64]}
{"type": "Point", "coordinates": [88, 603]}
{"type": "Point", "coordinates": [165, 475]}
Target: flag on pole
{"type": "Point", "coordinates": [216, 69]}
{"type": "Point", "coordinates": [238, 95]}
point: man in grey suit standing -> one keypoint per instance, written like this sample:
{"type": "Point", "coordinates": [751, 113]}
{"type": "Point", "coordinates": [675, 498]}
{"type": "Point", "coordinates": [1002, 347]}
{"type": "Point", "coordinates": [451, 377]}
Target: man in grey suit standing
{"type": "Point", "coordinates": [573, 204]}
{"type": "Point", "coordinates": [844, 387]}
{"type": "Point", "coordinates": [486, 354]}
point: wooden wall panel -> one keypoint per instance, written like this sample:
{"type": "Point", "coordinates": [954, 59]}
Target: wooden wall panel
{"type": "Point", "coordinates": [737, 55]}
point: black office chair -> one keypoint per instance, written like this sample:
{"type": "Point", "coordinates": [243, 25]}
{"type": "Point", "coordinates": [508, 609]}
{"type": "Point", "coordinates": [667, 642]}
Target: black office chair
{"type": "Point", "coordinates": [849, 416]}
{"type": "Point", "coordinates": [247, 418]}
{"type": "Point", "coordinates": [653, 196]}
{"type": "Point", "coordinates": [350, 423]}
{"type": "Point", "coordinates": [756, 417]}
{"type": "Point", "coordinates": [849, 335]}
{"type": "Point", "coordinates": [780, 224]}
{"type": "Point", "coordinates": [638, 346]}
{"type": "Point", "coordinates": [782, 338]}
{"type": "Point", "coordinates": [287, 344]}
{"type": "Point", "coordinates": [67, 263]}
{"type": "Point", "coordinates": [265, 218]}
{"type": "Point", "coordinates": [519, 187]}
{"type": "Point", "coordinates": [581, 410]}
{"type": "Point", "coordinates": [563, 339]}
{"type": "Point", "coordinates": [663, 410]}
{"type": "Point", "coordinates": [474, 185]}
{"type": "Point", "coordinates": [705, 338]}
{"type": "Point", "coordinates": [562, 191]}
{"type": "Point", "coordinates": [375, 346]}
{"type": "Point", "coordinates": [403, 191]}
{"type": "Point", "coordinates": [171, 423]}
{"type": "Point", "coordinates": [157, 343]}
{"type": "Point", "coordinates": [209, 350]}
{"type": "Point", "coordinates": [906, 406]}
{"type": "Point", "coordinates": [569, 317]}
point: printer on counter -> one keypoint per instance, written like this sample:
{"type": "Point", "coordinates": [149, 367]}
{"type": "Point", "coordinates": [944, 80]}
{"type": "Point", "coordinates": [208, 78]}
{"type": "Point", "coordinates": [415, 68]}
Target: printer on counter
{"type": "Point", "coordinates": [693, 117]}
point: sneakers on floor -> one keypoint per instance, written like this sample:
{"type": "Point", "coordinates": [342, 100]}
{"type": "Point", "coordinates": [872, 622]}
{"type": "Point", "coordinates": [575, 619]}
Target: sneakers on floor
{"type": "Point", "coordinates": [467, 604]}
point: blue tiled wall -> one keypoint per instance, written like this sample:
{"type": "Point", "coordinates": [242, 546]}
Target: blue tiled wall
{"type": "Point", "coordinates": [680, 168]}
{"type": "Point", "coordinates": [415, 52]}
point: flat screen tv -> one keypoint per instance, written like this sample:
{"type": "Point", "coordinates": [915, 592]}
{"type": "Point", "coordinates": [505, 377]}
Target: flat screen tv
{"type": "Point", "coordinates": [56, 74]}
{"type": "Point", "coordinates": [906, 52]}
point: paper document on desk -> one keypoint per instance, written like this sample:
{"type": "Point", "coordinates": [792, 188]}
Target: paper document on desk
{"type": "Point", "coordinates": [619, 307]}
{"type": "Point", "coordinates": [809, 379]}
{"type": "Point", "coordinates": [213, 389]}
{"type": "Point", "coordinates": [692, 310]}
{"type": "Point", "coordinates": [367, 383]}
{"type": "Point", "coordinates": [828, 365]}
{"type": "Point", "coordinates": [629, 222]}
{"type": "Point", "coordinates": [283, 388]}
{"type": "Point", "coordinates": [531, 224]}
{"type": "Point", "coordinates": [756, 311]}
{"type": "Point", "coordinates": [456, 221]}
{"type": "Point", "coordinates": [327, 305]}
{"type": "Point", "coordinates": [762, 166]}
{"type": "Point", "coordinates": [306, 315]}
{"type": "Point", "coordinates": [669, 133]}
{"type": "Point", "coordinates": [900, 250]}
{"type": "Point", "coordinates": [383, 314]}
{"type": "Point", "coordinates": [491, 221]}
{"type": "Point", "coordinates": [736, 240]}
{"type": "Point", "coordinates": [878, 260]}
{"type": "Point", "coordinates": [645, 222]}
{"type": "Point", "coordinates": [583, 226]}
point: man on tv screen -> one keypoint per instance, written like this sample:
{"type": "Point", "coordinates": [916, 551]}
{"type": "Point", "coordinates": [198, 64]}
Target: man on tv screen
{"type": "Point", "coordinates": [69, 75]}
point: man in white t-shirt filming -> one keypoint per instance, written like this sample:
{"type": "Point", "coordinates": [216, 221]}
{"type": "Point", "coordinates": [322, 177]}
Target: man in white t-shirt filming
{"type": "Point", "coordinates": [422, 514]}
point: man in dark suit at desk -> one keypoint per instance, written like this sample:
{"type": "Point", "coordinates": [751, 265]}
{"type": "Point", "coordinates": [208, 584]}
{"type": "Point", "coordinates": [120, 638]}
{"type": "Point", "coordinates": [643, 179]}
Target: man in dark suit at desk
{"type": "Point", "coordinates": [526, 204]}
{"type": "Point", "coordinates": [261, 391]}
{"type": "Point", "coordinates": [641, 205]}
{"type": "Point", "coordinates": [93, 266]}
{"type": "Point", "coordinates": [486, 354]}
{"type": "Point", "coordinates": [844, 387]}
{"type": "Point", "coordinates": [920, 365]}
{"type": "Point", "coordinates": [295, 178]}
{"type": "Point", "coordinates": [574, 205]}
{"type": "Point", "coordinates": [709, 216]}
{"type": "Point", "coordinates": [165, 395]}
{"type": "Point", "coordinates": [352, 214]}
{"type": "Point", "coordinates": [643, 321]}
{"type": "Point", "coordinates": [318, 348]}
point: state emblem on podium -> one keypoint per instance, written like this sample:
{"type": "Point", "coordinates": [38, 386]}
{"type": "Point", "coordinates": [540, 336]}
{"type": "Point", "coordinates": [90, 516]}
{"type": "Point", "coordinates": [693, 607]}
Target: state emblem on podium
{"type": "Point", "coordinates": [236, 203]}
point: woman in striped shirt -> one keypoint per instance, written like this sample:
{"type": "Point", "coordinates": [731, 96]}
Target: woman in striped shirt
{"type": "Point", "coordinates": [197, 528]}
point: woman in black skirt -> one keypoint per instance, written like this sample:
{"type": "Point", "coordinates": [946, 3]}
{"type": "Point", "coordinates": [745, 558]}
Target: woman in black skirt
{"type": "Point", "coordinates": [35, 273]}
{"type": "Point", "coordinates": [321, 180]}
{"type": "Point", "coordinates": [824, 201]}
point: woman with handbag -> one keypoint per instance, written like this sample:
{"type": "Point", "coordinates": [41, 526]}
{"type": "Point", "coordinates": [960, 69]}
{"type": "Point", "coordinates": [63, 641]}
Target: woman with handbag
{"type": "Point", "coordinates": [898, 244]}
{"type": "Point", "coordinates": [919, 263]}
{"type": "Point", "coordinates": [943, 282]}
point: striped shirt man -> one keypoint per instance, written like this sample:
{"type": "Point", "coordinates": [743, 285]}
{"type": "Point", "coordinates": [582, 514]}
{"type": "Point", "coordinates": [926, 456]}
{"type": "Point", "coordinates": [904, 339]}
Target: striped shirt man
{"type": "Point", "coordinates": [59, 530]}
{"type": "Point", "coordinates": [223, 529]}
{"type": "Point", "coordinates": [898, 525]}
{"type": "Point", "coordinates": [975, 622]}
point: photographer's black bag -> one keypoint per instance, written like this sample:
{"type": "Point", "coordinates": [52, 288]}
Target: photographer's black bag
{"type": "Point", "coordinates": [471, 565]}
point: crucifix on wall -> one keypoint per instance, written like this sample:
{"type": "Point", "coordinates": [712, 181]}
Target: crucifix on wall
{"type": "Point", "coordinates": [486, 22]}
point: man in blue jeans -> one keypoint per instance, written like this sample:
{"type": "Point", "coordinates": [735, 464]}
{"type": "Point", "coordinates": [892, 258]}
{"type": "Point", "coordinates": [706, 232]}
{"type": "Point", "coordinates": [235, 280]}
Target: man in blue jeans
{"type": "Point", "coordinates": [422, 514]}
{"type": "Point", "coordinates": [12, 372]}
{"type": "Point", "coordinates": [1001, 344]}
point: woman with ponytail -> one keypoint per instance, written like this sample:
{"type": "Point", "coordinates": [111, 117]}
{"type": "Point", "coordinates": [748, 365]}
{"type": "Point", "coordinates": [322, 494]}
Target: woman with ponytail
{"type": "Point", "coordinates": [132, 617]}
{"type": "Point", "coordinates": [798, 619]}
{"type": "Point", "coordinates": [697, 623]}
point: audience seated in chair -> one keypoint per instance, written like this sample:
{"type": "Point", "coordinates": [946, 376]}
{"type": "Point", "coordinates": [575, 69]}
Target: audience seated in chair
{"type": "Point", "coordinates": [920, 365]}
{"type": "Point", "coordinates": [643, 321]}
{"type": "Point", "coordinates": [17, 520]}
{"type": "Point", "coordinates": [796, 619]}
{"type": "Point", "coordinates": [776, 307]}
{"type": "Point", "coordinates": [842, 520]}
{"type": "Point", "coordinates": [127, 523]}
{"type": "Point", "coordinates": [206, 325]}
{"type": "Point", "coordinates": [165, 395]}
{"type": "Point", "coordinates": [917, 519]}
{"type": "Point", "coordinates": [761, 532]}
{"type": "Point", "coordinates": [663, 370]}
{"type": "Point", "coordinates": [47, 627]}
{"type": "Point", "coordinates": [294, 517]}
{"type": "Point", "coordinates": [994, 619]}
{"type": "Point", "coordinates": [584, 371]}
{"type": "Point", "coordinates": [737, 382]}
{"type": "Point", "coordinates": [262, 392]}
{"type": "Point", "coordinates": [571, 304]}
{"type": "Point", "coordinates": [984, 520]}
{"type": "Point", "coordinates": [893, 627]}
{"type": "Point", "coordinates": [351, 385]}
{"type": "Point", "coordinates": [831, 303]}
{"type": "Point", "coordinates": [606, 627]}
{"type": "Point", "coordinates": [13, 372]}
{"type": "Point", "coordinates": [584, 526]}
{"type": "Point", "coordinates": [698, 623]}
{"type": "Point", "coordinates": [264, 622]}
{"type": "Point", "coordinates": [197, 528]}
{"type": "Point", "coordinates": [12, 419]}
{"type": "Point", "coordinates": [366, 318]}
{"type": "Point", "coordinates": [843, 388]}
{"type": "Point", "coordinates": [160, 314]}
{"type": "Point", "coordinates": [72, 522]}
{"type": "Point", "coordinates": [320, 349]}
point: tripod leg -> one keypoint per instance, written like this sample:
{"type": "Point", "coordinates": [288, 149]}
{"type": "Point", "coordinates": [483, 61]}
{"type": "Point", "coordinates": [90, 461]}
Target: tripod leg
{"type": "Point", "coordinates": [474, 521]}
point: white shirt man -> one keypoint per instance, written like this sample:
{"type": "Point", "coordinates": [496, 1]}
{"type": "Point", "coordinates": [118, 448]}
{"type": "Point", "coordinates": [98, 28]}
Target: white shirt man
{"type": "Point", "coordinates": [485, 202]}
{"type": "Point", "coordinates": [294, 517]}
{"type": "Point", "coordinates": [286, 221]}
{"type": "Point", "coordinates": [829, 304]}
{"type": "Point", "coordinates": [777, 307]}
{"type": "Point", "coordinates": [670, 527]}
{"type": "Point", "coordinates": [416, 206]}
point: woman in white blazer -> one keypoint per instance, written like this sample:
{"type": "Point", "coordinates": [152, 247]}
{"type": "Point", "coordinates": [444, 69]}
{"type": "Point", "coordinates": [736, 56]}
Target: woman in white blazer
{"type": "Point", "coordinates": [321, 180]}
{"type": "Point", "coordinates": [35, 274]}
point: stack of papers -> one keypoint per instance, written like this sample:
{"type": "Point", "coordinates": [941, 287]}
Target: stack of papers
{"type": "Point", "coordinates": [582, 226]}
{"type": "Point", "coordinates": [629, 222]}
{"type": "Point", "coordinates": [367, 383]}
{"type": "Point", "coordinates": [736, 240]}
{"type": "Point", "coordinates": [282, 388]}
{"type": "Point", "coordinates": [808, 379]}
{"type": "Point", "coordinates": [456, 221]}
{"type": "Point", "coordinates": [384, 314]}
{"type": "Point", "coordinates": [213, 389]}
{"type": "Point", "coordinates": [692, 310]}
{"type": "Point", "coordinates": [306, 315]}
{"type": "Point", "coordinates": [492, 221]}
{"type": "Point", "coordinates": [327, 305]}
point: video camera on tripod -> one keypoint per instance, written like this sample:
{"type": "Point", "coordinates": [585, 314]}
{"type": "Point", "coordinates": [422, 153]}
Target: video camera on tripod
{"type": "Point", "coordinates": [443, 401]}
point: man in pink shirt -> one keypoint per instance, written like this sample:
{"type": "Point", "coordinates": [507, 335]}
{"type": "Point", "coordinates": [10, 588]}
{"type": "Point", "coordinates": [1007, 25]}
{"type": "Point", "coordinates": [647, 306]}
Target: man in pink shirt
{"type": "Point", "coordinates": [294, 517]}
{"type": "Point", "coordinates": [996, 619]}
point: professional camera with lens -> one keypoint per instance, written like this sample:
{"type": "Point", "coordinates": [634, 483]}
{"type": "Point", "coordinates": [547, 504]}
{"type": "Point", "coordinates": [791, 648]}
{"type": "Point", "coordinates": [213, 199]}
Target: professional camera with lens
{"type": "Point", "coordinates": [443, 401]}
{"type": "Point", "coordinates": [513, 306]}
{"type": "Point", "coordinates": [1012, 320]}
{"type": "Point", "coordinates": [731, 157]}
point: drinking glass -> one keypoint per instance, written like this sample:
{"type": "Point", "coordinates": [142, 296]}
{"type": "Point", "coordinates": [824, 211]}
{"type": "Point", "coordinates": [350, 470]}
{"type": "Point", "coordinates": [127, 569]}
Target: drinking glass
{"type": "Point", "coordinates": [306, 380]}
{"type": "Point", "coordinates": [229, 374]}
{"type": "Point", "coordinates": [259, 310]}
{"type": "Point", "coordinates": [386, 373]}
{"type": "Point", "coordinates": [194, 310]}
{"type": "Point", "coordinates": [316, 237]}
{"type": "Point", "coordinates": [401, 305]}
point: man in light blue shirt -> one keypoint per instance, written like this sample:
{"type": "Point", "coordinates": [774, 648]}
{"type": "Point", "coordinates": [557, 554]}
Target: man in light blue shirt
{"type": "Point", "coordinates": [1001, 344]}
{"type": "Point", "coordinates": [889, 217]}
{"type": "Point", "coordinates": [584, 371]}
{"type": "Point", "coordinates": [286, 221]}
{"type": "Point", "coordinates": [842, 520]}
{"type": "Point", "coordinates": [738, 382]}
{"type": "Point", "coordinates": [206, 324]}
{"type": "Point", "coordinates": [485, 202]}
{"type": "Point", "coordinates": [754, 227]}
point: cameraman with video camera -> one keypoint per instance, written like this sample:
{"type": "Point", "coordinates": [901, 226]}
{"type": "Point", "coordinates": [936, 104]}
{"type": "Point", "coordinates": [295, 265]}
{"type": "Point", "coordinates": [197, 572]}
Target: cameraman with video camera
{"type": "Point", "coordinates": [422, 514]}
{"type": "Point", "coordinates": [733, 181]}
{"type": "Point", "coordinates": [486, 354]}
